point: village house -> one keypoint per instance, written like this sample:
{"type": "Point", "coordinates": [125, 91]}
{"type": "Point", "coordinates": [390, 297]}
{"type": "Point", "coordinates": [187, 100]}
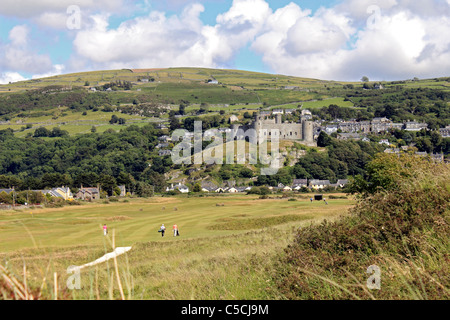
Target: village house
{"type": "Point", "coordinates": [8, 191]}
{"type": "Point", "coordinates": [380, 124]}
{"type": "Point", "coordinates": [180, 187]}
{"type": "Point", "coordinates": [232, 190]}
{"type": "Point", "coordinates": [62, 192]}
{"type": "Point", "coordinates": [297, 184]}
{"type": "Point", "coordinates": [342, 183]}
{"type": "Point", "coordinates": [88, 194]}
{"type": "Point", "coordinates": [319, 184]}
{"type": "Point", "coordinates": [415, 126]}
{"type": "Point", "coordinates": [277, 111]}
{"type": "Point", "coordinates": [445, 132]}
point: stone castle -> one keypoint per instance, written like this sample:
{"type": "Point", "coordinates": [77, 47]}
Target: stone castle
{"type": "Point", "coordinates": [302, 132]}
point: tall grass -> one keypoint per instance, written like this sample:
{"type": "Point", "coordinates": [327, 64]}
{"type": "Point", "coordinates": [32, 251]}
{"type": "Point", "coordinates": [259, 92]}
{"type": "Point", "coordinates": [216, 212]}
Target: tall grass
{"type": "Point", "coordinates": [402, 228]}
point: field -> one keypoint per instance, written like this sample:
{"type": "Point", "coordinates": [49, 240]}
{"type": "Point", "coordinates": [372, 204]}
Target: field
{"type": "Point", "coordinates": [225, 242]}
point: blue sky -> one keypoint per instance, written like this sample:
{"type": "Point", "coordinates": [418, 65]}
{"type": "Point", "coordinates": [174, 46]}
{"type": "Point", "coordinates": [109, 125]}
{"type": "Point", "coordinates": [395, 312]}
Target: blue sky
{"type": "Point", "coordinates": [333, 39]}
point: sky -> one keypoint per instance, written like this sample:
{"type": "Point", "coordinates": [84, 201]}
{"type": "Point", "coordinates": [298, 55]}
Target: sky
{"type": "Point", "coordinates": [340, 40]}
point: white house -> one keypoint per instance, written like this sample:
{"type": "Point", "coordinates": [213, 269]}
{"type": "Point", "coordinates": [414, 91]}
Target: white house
{"type": "Point", "coordinates": [319, 184]}
{"type": "Point", "coordinates": [180, 187]}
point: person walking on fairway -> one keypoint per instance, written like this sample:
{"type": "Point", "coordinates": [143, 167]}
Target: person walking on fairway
{"type": "Point", "coordinates": [175, 230]}
{"type": "Point", "coordinates": [105, 230]}
{"type": "Point", "coordinates": [163, 229]}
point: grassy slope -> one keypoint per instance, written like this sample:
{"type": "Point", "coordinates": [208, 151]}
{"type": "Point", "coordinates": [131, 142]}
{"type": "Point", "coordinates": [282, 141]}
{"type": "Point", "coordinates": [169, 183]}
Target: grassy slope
{"type": "Point", "coordinates": [238, 90]}
{"type": "Point", "coordinates": [403, 230]}
{"type": "Point", "coordinates": [205, 263]}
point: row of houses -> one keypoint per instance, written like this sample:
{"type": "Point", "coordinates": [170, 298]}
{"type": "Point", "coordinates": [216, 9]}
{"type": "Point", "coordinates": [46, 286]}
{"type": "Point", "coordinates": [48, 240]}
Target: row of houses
{"type": "Point", "coordinates": [438, 157]}
{"type": "Point", "coordinates": [60, 192]}
{"type": "Point", "coordinates": [87, 194]}
{"type": "Point", "coordinates": [377, 125]}
{"type": "Point", "coordinates": [297, 185]}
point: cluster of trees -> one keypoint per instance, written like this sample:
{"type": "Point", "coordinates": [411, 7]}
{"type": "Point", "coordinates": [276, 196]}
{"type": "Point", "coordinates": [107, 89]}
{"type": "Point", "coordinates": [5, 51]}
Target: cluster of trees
{"type": "Point", "coordinates": [115, 119]}
{"type": "Point", "coordinates": [400, 104]}
{"type": "Point", "coordinates": [119, 84]}
{"type": "Point", "coordinates": [113, 158]}
{"type": "Point", "coordinates": [334, 111]}
{"type": "Point", "coordinates": [54, 133]}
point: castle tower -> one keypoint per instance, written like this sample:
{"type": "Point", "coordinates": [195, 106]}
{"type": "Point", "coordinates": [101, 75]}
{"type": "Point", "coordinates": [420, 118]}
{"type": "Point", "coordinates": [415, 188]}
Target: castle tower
{"type": "Point", "coordinates": [308, 131]}
{"type": "Point", "coordinates": [279, 119]}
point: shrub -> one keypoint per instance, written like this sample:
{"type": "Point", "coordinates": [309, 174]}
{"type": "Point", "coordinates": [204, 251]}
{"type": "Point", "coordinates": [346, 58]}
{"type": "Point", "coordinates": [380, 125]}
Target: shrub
{"type": "Point", "coordinates": [403, 228]}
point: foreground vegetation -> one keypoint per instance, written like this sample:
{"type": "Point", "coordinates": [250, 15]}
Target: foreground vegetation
{"type": "Point", "coordinates": [400, 225]}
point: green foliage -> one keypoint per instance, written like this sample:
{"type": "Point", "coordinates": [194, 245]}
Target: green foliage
{"type": "Point", "coordinates": [88, 159]}
{"type": "Point", "coordinates": [403, 228]}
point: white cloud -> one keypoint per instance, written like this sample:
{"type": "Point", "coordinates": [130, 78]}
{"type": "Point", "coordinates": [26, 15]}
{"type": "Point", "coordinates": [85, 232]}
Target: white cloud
{"type": "Point", "coordinates": [32, 8]}
{"type": "Point", "coordinates": [337, 43]}
{"type": "Point", "coordinates": [8, 77]}
{"type": "Point", "coordinates": [18, 55]}
{"type": "Point", "coordinates": [180, 40]}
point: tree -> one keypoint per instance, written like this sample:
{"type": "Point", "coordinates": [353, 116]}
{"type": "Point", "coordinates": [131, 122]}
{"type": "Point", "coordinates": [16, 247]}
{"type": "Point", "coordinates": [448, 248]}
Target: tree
{"type": "Point", "coordinates": [197, 187]}
{"type": "Point", "coordinates": [41, 132]}
{"type": "Point", "coordinates": [174, 123]}
{"type": "Point", "coordinates": [114, 119]}
{"type": "Point", "coordinates": [365, 79]}
{"type": "Point", "coordinates": [323, 140]}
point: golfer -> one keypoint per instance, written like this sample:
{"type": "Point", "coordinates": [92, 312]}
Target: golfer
{"type": "Point", "coordinates": [163, 229]}
{"type": "Point", "coordinates": [105, 230]}
{"type": "Point", "coordinates": [175, 230]}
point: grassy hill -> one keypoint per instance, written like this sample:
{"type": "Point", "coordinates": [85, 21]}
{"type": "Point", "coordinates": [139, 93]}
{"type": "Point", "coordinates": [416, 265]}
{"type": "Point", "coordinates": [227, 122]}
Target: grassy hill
{"type": "Point", "coordinates": [61, 100]}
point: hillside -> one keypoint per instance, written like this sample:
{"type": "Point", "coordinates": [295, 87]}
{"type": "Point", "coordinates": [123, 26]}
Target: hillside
{"type": "Point", "coordinates": [111, 127]}
{"type": "Point", "coordinates": [139, 96]}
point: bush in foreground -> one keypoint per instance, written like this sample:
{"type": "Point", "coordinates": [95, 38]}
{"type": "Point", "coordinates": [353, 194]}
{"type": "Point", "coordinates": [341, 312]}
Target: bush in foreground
{"type": "Point", "coordinates": [400, 225]}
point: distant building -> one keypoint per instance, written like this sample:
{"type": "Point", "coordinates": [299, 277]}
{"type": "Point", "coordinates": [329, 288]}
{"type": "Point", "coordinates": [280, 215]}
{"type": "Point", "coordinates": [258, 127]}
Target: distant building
{"type": "Point", "coordinates": [445, 132]}
{"type": "Point", "coordinates": [342, 183]}
{"type": "Point", "coordinates": [319, 184]}
{"type": "Point", "coordinates": [180, 187]}
{"type": "Point", "coordinates": [380, 124]}
{"type": "Point", "coordinates": [415, 126]}
{"type": "Point", "coordinates": [88, 194]}
{"type": "Point", "coordinates": [297, 184]}
{"type": "Point", "coordinates": [62, 192]}
{"type": "Point", "coordinates": [277, 111]}
{"type": "Point", "coordinates": [123, 191]}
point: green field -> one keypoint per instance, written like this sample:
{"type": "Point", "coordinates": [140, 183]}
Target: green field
{"type": "Point", "coordinates": [224, 241]}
